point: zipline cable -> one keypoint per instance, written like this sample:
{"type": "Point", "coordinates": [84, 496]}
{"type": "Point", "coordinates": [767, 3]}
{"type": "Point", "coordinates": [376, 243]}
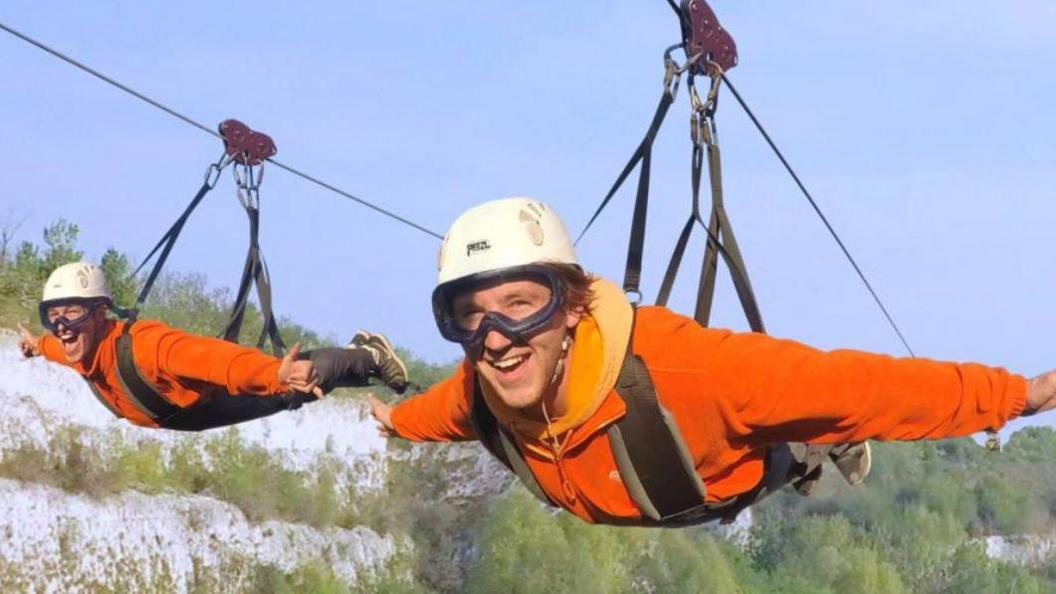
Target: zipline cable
{"type": "Point", "coordinates": [208, 130]}
{"type": "Point", "coordinates": [428, 231]}
{"type": "Point", "coordinates": [817, 209]}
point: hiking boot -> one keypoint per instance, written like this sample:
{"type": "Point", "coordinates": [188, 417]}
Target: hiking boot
{"type": "Point", "coordinates": [806, 468]}
{"type": "Point", "coordinates": [359, 339]}
{"type": "Point", "coordinates": [388, 366]}
{"type": "Point", "coordinates": [853, 460]}
{"type": "Point", "coordinates": [809, 483]}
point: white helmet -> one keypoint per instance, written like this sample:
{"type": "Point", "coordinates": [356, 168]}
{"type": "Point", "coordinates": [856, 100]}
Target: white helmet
{"type": "Point", "coordinates": [77, 280]}
{"type": "Point", "coordinates": [503, 234]}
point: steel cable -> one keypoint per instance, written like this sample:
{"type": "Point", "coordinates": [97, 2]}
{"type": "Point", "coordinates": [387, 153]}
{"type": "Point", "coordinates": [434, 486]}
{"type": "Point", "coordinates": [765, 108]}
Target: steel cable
{"type": "Point", "coordinates": [207, 130]}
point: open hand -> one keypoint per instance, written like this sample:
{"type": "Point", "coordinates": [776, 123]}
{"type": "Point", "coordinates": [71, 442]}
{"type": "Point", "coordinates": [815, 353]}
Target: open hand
{"type": "Point", "coordinates": [299, 376]}
{"type": "Point", "coordinates": [27, 342]}
{"type": "Point", "coordinates": [383, 415]}
{"type": "Point", "coordinates": [1041, 393]}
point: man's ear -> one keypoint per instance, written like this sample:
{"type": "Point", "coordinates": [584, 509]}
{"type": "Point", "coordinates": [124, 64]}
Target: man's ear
{"type": "Point", "coordinates": [101, 311]}
{"type": "Point", "coordinates": [573, 316]}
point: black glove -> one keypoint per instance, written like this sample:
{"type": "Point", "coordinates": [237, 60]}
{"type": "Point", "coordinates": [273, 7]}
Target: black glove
{"type": "Point", "coordinates": [337, 367]}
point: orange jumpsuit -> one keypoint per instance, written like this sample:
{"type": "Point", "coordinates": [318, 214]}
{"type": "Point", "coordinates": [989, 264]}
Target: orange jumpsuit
{"type": "Point", "coordinates": [731, 394]}
{"type": "Point", "coordinates": [180, 366]}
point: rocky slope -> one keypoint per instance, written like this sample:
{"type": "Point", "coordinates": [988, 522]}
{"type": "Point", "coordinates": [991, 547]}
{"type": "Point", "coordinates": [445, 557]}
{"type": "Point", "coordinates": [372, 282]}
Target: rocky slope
{"type": "Point", "coordinates": [58, 541]}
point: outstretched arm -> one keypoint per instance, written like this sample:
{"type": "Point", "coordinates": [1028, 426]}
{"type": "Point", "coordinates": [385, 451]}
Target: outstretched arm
{"type": "Point", "coordinates": [439, 414]}
{"type": "Point", "coordinates": [758, 390]}
{"type": "Point", "coordinates": [239, 369]}
{"type": "Point", "coordinates": [791, 392]}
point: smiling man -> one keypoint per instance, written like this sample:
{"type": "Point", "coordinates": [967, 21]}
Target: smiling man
{"type": "Point", "coordinates": [640, 416]}
{"type": "Point", "coordinates": [157, 376]}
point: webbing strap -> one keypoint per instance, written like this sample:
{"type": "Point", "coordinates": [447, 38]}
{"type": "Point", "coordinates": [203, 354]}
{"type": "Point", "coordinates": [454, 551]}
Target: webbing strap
{"type": "Point", "coordinates": [720, 241]}
{"type": "Point", "coordinates": [255, 272]}
{"type": "Point", "coordinates": [650, 454]}
{"type": "Point", "coordinates": [643, 154]}
{"type": "Point", "coordinates": [214, 408]}
{"type": "Point", "coordinates": [139, 391]}
{"type": "Point", "coordinates": [655, 449]}
{"type": "Point", "coordinates": [102, 399]}
{"type": "Point", "coordinates": [498, 444]}
{"type": "Point", "coordinates": [165, 245]}
{"type": "Point", "coordinates": [729, 248]}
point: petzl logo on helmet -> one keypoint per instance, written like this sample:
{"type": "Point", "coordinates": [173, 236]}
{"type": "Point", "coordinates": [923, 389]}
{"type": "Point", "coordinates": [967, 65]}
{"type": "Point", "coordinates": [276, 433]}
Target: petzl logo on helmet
{"type": "Point", "coordinates": [477, 246]}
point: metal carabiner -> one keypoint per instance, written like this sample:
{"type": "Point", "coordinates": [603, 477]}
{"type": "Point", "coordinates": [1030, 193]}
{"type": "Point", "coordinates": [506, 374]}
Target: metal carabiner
{"type": "Point", "coordinates": [246, 189]}
{"type": "Point", "coordinates": [213, 171]}
{"type": "Point", "coordinates": [671, 77]}
{"type": "Point", "coordinates": [698, 115]}
{"type": "Point", "coordinates": [260, 174]}
{"type": "Point", "coordinates": [673, 71]}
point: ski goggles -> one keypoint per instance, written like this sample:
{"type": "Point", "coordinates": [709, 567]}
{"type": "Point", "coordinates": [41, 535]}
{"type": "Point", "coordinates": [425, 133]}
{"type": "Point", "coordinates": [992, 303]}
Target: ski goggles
{"type": "Point", "coordinates": [516, 329]}
{"type": "Point", "coordinates": [75, 316]}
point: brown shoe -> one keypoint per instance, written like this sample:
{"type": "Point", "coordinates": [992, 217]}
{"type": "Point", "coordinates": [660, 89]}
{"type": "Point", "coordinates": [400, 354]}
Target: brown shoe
{"type": "Point", "coordinates": [808, 484]}
{"type": "Point", "coordinates": [390, 369]}
{"type": "Point", "coordinates": [854, 461]}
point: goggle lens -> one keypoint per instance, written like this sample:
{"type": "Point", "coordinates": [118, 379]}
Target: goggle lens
{"type": "Point", "coordinates": [515, 313]}
{"type": "Point", "coordinates": [71, 318]}
{"type": "Point", "coordinates": [522, 317]}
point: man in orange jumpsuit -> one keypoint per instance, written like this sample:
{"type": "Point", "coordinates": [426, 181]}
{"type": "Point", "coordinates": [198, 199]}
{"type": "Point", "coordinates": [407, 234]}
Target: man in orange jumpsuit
{"type": "Point", "coordinates": [553, 371]}
{"type": "Point", "coordinates": [157, 376]}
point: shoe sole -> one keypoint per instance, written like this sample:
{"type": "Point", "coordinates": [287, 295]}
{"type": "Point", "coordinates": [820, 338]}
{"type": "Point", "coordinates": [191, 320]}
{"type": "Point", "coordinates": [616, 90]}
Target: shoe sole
{"type": "Point", "coordinates": [360, 338]}
{"type": "Point", "coordinates": [392, 353]}
{"type": "Point", "coordinates": [857, 477]}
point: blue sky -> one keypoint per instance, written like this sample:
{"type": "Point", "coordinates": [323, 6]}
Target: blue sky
{"type": "Point", "coordinates": [925, 130]}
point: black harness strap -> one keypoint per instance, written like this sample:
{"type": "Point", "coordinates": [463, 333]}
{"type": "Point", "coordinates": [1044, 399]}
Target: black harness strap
{"type": "Point", "coordinates": [138, 389]}
{"type": "Point", "coordinates": [102, 400]}
{"type": "Point", "coordinates": [255, 272]}
{"type": "Point", "coordinates": [247, 149]}
{"type": "Point", "coordinates": [655, 448]}
{"type": "Point", "coordinates": [169, 239]}
{"type": "Point", "coordinates": [501, 445]}
{"type": "Point", "coordinates": [215, 408]}
{"type": "Point", "coordinates": [644, 155]}
{"type": "Point", "coordinates": [720, 238]}
{"type": "Point", "coordinates": [730, 249]}
{"type": "Point", "coordinates": [220, 409]}
{"type": "Point", "coordinates": [651, 455]}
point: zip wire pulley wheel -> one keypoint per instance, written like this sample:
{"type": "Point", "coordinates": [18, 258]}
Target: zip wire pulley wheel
{"type": "Point", "coordinates": [246, 146]}
{"type": "Point", "coordinates": [704, 36]}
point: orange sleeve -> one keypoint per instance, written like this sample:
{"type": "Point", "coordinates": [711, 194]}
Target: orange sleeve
{"type": "Point", "coordinates": [239, 369]}
{"type": "Point", "coordinates": [767, 390]}
{"type": "Point", "coordinates": [51, 349]}
{"type": "Point", "coordinates": [441, 413]}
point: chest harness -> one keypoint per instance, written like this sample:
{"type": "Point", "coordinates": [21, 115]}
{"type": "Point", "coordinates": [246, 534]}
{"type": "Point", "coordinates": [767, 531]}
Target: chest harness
{"type": "Point", "coordinates": [650, 453]}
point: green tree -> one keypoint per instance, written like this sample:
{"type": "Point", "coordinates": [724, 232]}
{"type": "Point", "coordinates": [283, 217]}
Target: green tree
{"type": "Point", "coordinates": [60, 238]}
{"type": "Point", "coordinates": [119, 276]}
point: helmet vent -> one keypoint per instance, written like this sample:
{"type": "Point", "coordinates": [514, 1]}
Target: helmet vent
{"type": "Point", "coordinates": [532, 225]}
